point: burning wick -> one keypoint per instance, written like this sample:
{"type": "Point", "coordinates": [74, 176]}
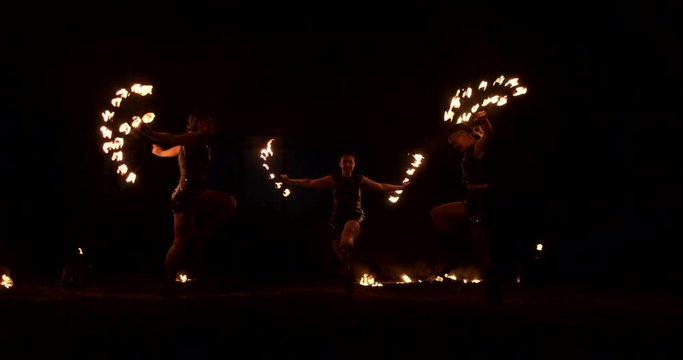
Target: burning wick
{"type": "Point", "coordinates": [415, 163]}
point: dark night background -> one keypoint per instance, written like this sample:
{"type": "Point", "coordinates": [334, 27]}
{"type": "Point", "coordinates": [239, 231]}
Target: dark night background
{"type": "Point", "coordinates": [588, 160]}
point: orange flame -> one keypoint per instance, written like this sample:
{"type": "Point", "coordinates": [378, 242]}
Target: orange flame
{"type": "Point", "coordinates": [6, 281]}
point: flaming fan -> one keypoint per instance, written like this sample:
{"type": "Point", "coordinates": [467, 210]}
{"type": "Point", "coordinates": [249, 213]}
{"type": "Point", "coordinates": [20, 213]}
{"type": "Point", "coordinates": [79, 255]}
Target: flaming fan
{"type": "Point", "coordinates": [115, 131]}
{"type": "Point", "coordinates": [266, 154]}
{"type": "Point", "coordinates": [467, 102]}
{"type": "Point", "coordinates": [415, 163]}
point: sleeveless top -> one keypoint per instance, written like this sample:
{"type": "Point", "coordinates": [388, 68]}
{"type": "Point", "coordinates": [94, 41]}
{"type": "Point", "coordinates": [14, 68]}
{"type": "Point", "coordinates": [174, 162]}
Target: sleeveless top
{"type": "Point", "coordinates": [474, 171]}
{"type": "Point", "coordinates": [346, 196]}
{"type": "Point", "coordinates": [193, 162]}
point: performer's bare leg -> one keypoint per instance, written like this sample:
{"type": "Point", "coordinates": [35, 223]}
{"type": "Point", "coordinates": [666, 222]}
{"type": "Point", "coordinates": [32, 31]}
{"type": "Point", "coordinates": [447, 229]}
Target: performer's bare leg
{"type": "Point", "coordinates": [215, 208]}
{"type": "Point", "coordinates": [450, 225]}
{"type": "Point", "coordinates": [176, 256]}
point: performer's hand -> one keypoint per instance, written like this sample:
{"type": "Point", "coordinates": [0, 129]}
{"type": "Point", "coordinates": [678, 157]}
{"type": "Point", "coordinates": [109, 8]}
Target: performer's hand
{"type": "Point", "coordinates": [157, 150]}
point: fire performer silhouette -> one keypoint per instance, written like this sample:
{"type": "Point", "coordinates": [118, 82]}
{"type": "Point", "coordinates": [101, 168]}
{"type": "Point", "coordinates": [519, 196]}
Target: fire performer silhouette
{"type": "Point", "coordinates": [191, 200]}
{"type": "Point", "coordinates": [472, 140]}
{"type": "Point", "coordinates": [347, 210]}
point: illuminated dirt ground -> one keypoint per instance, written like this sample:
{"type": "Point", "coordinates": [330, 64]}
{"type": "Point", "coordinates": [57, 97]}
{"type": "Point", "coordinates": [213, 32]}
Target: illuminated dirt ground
{"type": "Point", "coordinates": [122, 318]}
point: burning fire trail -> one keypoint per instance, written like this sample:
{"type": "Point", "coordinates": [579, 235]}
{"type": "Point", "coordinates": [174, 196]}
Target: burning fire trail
{"type": "Point", "coordinates": [467, 103]}
{"type": "Point", "coordinates": [414, 165]}
{"type": "Point", "coordinates": [119, 131]}
{"type": "Point", "coordinates": [6, 281]}
{"type": "Point", "coordinates": [265, 154]}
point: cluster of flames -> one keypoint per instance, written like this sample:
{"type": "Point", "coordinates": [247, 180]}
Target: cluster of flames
{"type": "Point", "coordinates": [370, 281]}
{"type": "Point", "coordinates": [414, 164]}
{"type": "Point", "coordinates": [109, 129]}
{"type": "Point", "coordinates": [265, 154]}
{"type": "Point", "coordinates": [497, 94]}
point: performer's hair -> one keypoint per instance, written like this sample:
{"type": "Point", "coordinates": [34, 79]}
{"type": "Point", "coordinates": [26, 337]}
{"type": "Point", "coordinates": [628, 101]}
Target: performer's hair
{"type": "Point", "coordinates": [196, 117]}
{"type": "Point", "coordinates": [459, 127]}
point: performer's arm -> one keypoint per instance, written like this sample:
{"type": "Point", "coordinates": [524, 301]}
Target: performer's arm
{"type": "Point", "coordinates": [320, 183]}
{"type": "Point", "coordinates": [167, 138]}
{"type": "Point", "coordinates": [170, 152]}
{"type": "Point", "coordinates": [366, 182]}
{"type": "Point", "coordinates": [484, 129]}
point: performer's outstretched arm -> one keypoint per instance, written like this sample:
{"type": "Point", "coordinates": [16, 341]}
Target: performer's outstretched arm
{"type": "Point", "coordinates": [320, 183]}
{"type": "Point", "coordinates": [170, 152]}
{"type": "Point", "coordinates": [167, 138]}
{"type": "Point", "coordinates": [366, 182]}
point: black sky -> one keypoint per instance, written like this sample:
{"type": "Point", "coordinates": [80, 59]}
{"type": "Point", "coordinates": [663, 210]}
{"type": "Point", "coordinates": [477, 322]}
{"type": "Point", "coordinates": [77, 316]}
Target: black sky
{"type": "Point", "coordinates": [577, 162]}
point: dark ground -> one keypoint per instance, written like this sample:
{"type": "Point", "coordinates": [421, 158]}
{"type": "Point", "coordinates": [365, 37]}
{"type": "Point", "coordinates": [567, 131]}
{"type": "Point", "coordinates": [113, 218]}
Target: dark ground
{"type": "Point", "coordinates": [120, 316]}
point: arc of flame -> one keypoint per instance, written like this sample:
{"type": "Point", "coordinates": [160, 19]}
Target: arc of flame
{"type": "Point", "coordinates": [124, 128]}
{"type": "Point", "coordinates": [416, 162]}
{"type": "Point", "coordinates": [264, 154]}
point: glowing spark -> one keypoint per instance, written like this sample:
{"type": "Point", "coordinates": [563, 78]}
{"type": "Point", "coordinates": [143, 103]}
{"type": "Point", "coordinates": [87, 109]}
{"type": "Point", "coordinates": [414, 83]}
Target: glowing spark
{"type": "Point", "coordinates": [393, 199]}
{"type": "Point", "coordinates": [286, 192]}
{"type": "Point", "coordinates": [278, 185]}
{"type": "Point", "coordinates": [266, 166]}
{"type": "Point", "coordinates": [118, 142]}
{"type": "Point", "coordinates": [80, 251]}
{"type": "Point", "coordinates": [519, 91]}
{"type": "Point", "coordinates": [107, 115]}
{"type": "Point", "coordinates": [106, 132]}
{"type": "Point", "coordinates": [482, 85]}
{"type": "Point", "coordinates": [455, 102]}
{"type": "Point", "coordinates": [141, 89]}
{"type": "Point", "coordinates": [512, 82]}
{"type": "Point", "coordinates": [271, 176]}
{"type": "Point", "coordinates": [116, 102]}
{"type": "Point", "coordinates": [503, 100]}
{"type": "Point", "coordinates": [117, 156]}
{"type": "Point", "coordinates": [148, 118]}
{"type": "Point", "coordinates": [268, 151]}
{"type": "Point", "coordinates": [124, 128]}
{"type": "Point", "coordinates": [122, 169]}
{"type": "Point", "coordinates": [405, 181]}
{"type": "Point", "coordinates": [123, 93]}
{"type": "Point", "coordinates": [131, 177]}
{"type": "Point", "coordinates": [399, 192]}
{"type": "Point", "coordinates": [499, 80]}
{"type": "Point", "coordinates": [410, 171]}
{"type": "Point", "coordinates": [475, 108]}
{"type": "Point", "coordinates": [468, 93]}
{"type": "Point", "coordinates": [406, 278]}
{"type": "Point", "coordinates": [539, 247]}
{"type": "Point", "coordinates": [448, 115]}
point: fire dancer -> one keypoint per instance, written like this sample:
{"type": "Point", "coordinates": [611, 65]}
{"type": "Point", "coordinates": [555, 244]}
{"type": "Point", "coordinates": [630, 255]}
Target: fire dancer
{"type": "Point", "coordinates": [472, 139]}
{"type": "Point", "coordinates": [347, 211]}
{"type": "Point", "coordinates": [198, 212]}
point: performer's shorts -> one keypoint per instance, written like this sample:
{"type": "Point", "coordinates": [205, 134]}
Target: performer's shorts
{"type": "Point", "coordinates": [337, 224]}
{"type": "Point", "coordinates": [184, 199]}
{"type": "Point", "coordinates": [478, 205]}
